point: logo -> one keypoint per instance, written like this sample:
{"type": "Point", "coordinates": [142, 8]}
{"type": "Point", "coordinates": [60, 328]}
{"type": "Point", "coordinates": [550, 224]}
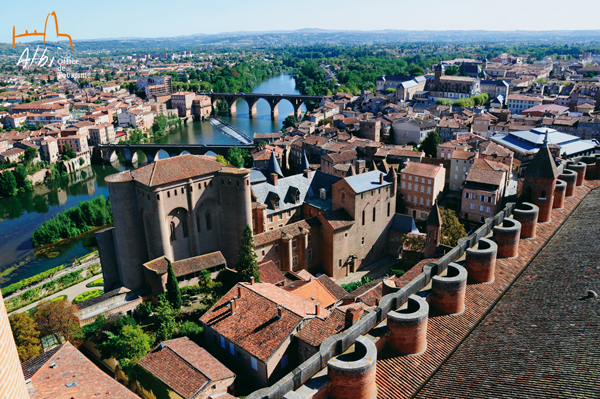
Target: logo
{"type": "Point", "coordinates": [35, 32]}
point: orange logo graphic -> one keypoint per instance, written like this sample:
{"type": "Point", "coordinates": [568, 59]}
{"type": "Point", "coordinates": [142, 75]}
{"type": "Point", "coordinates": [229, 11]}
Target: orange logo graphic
{"type": "Point", "coordinates": [35, 32]}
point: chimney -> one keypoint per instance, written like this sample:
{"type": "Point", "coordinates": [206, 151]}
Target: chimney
{"type": "Point", "coordinates": [252, 280]}
{"type": "Point", "coordinates": [381, 178]}
{"type": "Point", "coordinates": [307, 173]}
{"type": "Point", "coordinates": [351, 316]}
{"type": "Point", "coordinates": [274, 178]}
{"type": "Point", "coordinates": [240, 291]}
{"type": "Point", "coordinates": [279, 312]}
{"type": "Point", "coordinates": [317, 308]}
{"type": "Point", "coordinates": [233, 304]}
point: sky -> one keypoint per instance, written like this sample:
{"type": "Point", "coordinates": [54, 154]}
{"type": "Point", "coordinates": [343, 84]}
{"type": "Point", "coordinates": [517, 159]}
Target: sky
{"type": "Point", "coordinates": [159, 18]}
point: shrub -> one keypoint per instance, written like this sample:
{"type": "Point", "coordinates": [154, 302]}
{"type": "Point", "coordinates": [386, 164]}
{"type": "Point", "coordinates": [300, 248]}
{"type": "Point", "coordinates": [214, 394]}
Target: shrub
{"type": "Point", "coordinates": [30, 281]}
{"type": "Point", "coordinates": [142, 311]}
{"type": "Point", "coordinates": [352, 286]}
{"type": "Point", "coordinates": [96, 283]}
{"type": "Point", "coordinates": [84, 296]}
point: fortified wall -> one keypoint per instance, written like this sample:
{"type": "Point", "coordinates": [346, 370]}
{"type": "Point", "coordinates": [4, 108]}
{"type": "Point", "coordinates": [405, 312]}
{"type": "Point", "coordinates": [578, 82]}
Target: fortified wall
{"type": "Point", "coordinates": [398, 327]}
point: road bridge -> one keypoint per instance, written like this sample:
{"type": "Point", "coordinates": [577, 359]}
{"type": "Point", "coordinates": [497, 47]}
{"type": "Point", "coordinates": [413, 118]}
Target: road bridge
{"type": "Point", "coordinates": [273, 99]}
{"type": "Point", "coordinates": [110, 152]}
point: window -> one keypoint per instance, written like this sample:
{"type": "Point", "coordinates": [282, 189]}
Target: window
{"type": "Point", "coordinates": [270, 218]}
{"type": "Point", "coordinates": [173, 233]}
{"type": "Point", "coordinates": [168, 194]}
{"type": "Point", "coordinates": [410, 186]}
{"type": "Point", "coordinates": [223, 342]}
{"type": "Point", "coordinates": [363, 217]}
{"type": "Point", "coordinates": [284, 361]}
{"type": "Point", "coordinates": [343, 197]}
{"type": "Point", "coordinates": [362, 241]}
{"type": "Point", "coordinates": [455, 176]}
{"type": "Point", "coordinates": [388, 209]}
{"type": "Point", "coordinates": [408, 198]}
{"type": "Point", "coordinates": [423, 215]}
{"type": "Point", "coordinates": [185, 228]}
{"type": "Point", "coordinates": [416, 187]}
{"type": "Point", "coordinates": [310, 212]}
{"type": "Point", "coordinates": [409, 177]}
{"type": "Point", "coordinates": [294, 243]}
{"type": "Point", "coordinates": [421, 200]}
{"type": "Point", "coordinates": [429, 181]}
{"type": "Point", "coordinates": [253, 363]}
{"type": "Point", "coordinates": [208, 221]}
{"type": "Point", "coordinates": [340, 262]}
{"type": "Point", "coordinates": [277, 264]}
{"type": "Point", "coordinates": [422, 189]}
{"type": "Point", "coordinates": [374, 211]}
{"type": "Point", "coordinates": [182, 190]}
{"type": "Point", "coordinates": [175, 192]}
{"type": "Point", "coordinates": [464, 168]}
{"type": "Point", "coordinates": [279, 225]}
{"type": "Point", "coordinates": [428, 190]}
{"type": "Point", "coordinates": [294, 261]}
{"type": "Point", "coordinates": [289, 214]}
{"type": "Point", "coordinates": [231, 348]}
{"type": "Point", "coordinates": [276, 248]}
{"type": "Point", "coordinates": [466, 195]}
{"type": "Point", "coordinates": [487, 209]}
{"type": "Point", "coordinates": [372, 193]}
{"type": "Point", "coordinates": [457, 168]}
{"type": "Point", "coordinates": [403, 185]}
{"type": "Point", "coordinates": [309, 254]}
{"type": "Point", "coordinates": [480, 208]}
{"type": "Point", "coordinates": [428, 202]}
{"type": "Point", "coordinates": [281, 216]}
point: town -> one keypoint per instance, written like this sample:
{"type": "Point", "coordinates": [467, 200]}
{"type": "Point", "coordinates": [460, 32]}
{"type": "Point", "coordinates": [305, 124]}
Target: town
{"type": "Point", "coordinates": [362, 249]}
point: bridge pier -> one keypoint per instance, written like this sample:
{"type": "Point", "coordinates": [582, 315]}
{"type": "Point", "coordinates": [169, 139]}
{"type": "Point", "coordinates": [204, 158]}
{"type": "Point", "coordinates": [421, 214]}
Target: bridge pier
{"type": "Point", "coordinates": [251, 101]}
{"type": "Point", "coordinates": [274, 103]}
{"type": "Point", "coordinates": [109, 155]}
{"type": "Point", "coordinates": [130, 155]}
{"type": "Point", "coordinates": [232, 107]}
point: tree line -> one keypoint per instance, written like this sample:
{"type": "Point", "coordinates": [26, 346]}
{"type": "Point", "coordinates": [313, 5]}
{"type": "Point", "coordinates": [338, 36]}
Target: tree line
{"type": "Point", "coordinates": [74, 221]}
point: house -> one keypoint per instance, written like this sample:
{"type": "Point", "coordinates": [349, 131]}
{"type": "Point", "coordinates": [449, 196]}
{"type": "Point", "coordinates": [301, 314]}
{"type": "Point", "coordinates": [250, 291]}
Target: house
{"type": "Point", "coordinates": [520, 102]}
{"type": "Point", "coordinates": [253, 327]}
{"type": "Point", "coordinates": [452, 87]}
{"type": "Point", "coordinates": [407, 89]}
{"type": "Point", "coordinates": [412, 131]}
{"type": "Point", "coordinates": [78, 143]}
{"type": "Point", "coordinates": [49, 149]}
{"type": "Point", "coordinates": [460, 166]}
{"type": "Point", "coordinates": [482, 194]}
{"type": "Point", "coordinates": [103, 133]}
{"type": "Point", "coordinates": [183, 101]}
{"type": "Point", "coordinates": [64, 372]}
{"type": "Point", "coordinates": [495, 88]}
{"type": "Point", "coordinates": [421, 184]}
{"type": "Point", "coordinates": [12, 155]}
{"type": "Point", "coordinates": [187, 370]}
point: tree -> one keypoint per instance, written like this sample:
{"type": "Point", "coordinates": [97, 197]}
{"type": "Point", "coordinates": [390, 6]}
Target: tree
{"type": "Point", "coordinates": [20, 173]}
{"type": "Point", "coordinates": [30, 154]}
{"type": "Point", "coordinates": [429, 145]}
{"type": "Point", "coordinates": [246, 265]}
{"type": "Point", "coordinates": [58, 319]}
{"type": "Point", "coordinates": [25, 334]}
{"type": "Point", "coordinates": [221, 159]}
{"type": "Point", "coordinates": [325, 121]}
{"type": "Point", "coordinates": [128, 347]}
{"type": "Point", "coordinates": [290, 121]}
{"type": "Point", "coordinates": [390, 90]}
{"type": "Point", "coordinates": [414, 242]}
{"type": "Point", "coordinates": [8, 184]}
{"type": "Point", "coordinates": [452, 229]}
{"type": "Point", "coordinates": [452, 70]}
{"type": "Point", "coordinates": [68, 153]}
{"type": "Point", "coordinates": [173, 292]}
{"type": "Point", "coordinates": [234, 156]}
{"type": "Point", "coordinates": [443, 101]}
{"type": "Point", "coordinates": [165, 318]}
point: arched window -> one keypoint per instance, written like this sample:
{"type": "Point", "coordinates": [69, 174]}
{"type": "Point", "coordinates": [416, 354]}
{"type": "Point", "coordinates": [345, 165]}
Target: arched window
{"type": "Point", "coordinates": [185, 228]}
{"type": "Point", "coordinates": [208, 222]}
{"type": "Point", "coordinates": [363, 218]}
{"type": "Point", "coordinates": [543, 194]}
{"type": "Point", "coordinates": [173, 233]}
{"type": "Point", "coordinates": [198, 224]}
{"type": "Point", "coordinates": [343, 197]}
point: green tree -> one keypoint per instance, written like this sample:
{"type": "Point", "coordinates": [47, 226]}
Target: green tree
{"type": "Point", "coordinates": [221, 159]}
{"type": "Point", "coordinates": [452, 229]}
{"type": "Point", "coordinates": [165, 319]}
{"type": "Point", "coordinates": [443, 101]}
{"type": "Point", "coordinates": [246, 265]}
{"type": "Point", "coordinates": [390, 90]}
{"type": "Point", "coordinates": [25, 334]}
{"type": "Point", "coordinates": [452, 70]}
{"type": "Point", "coordinates": [290, 121]}
{"type": "Point", "coordinates": [429, 145]}
{"type": "Point", "coordinates": [173, 292]}
{"type": "Point", "coordinates": [234, 157]}
{"type": "Point", "coordinates": [8, 184]}
{"type": "Point", "coordinates": [128, 347]}
{"type": "Point", "coordinates": [30, 154]}
{"type": "Point", "coordinates": [68, 153]}
{"type": "Point", "coordinates": [325, 121]}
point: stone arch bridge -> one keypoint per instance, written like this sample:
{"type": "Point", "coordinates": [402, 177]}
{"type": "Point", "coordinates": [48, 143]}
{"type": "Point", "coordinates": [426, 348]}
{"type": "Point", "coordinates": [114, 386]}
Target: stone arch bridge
{"type": "Point", "coordinates": [109, 152]}
{"type": "Point", "coordinates": [273, 99]}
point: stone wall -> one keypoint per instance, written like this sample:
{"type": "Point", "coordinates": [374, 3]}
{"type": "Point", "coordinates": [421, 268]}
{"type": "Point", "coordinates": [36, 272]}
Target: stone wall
{"type": "Point", "coordinates": [12, 381]}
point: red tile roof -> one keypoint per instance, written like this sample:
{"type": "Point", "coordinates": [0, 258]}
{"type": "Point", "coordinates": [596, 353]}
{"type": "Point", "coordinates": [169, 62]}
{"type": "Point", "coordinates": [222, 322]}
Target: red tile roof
{"type": "Point", "coordinates": [73, 367]}
{"type": "Point", "coordinates": [331, 286]}
{"type": "Point", "coordinates": [311, 289]}
{"type": "Point", "coordinates": [422, 169]}
{"type": "Point", "coordinates": [184, 366]}
{"type": "Point", "coordinates": [337, 219]}
{"type": "Point", "coordinates": [168, 170]}
{"type": "Point", "coordinates": [269, 273]}
{"type": "Point", "coordinates": [187, 266]}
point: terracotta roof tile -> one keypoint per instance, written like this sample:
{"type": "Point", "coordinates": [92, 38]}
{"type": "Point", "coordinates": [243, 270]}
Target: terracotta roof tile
{"type": "Point", "coordinates": [269, 273]}
{"type": "Point", "coordinates": [311, 289]}
{"type": "Point", "coordinates": [187, 266]}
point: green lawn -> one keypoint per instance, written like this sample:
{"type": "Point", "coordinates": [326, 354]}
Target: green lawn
{"type": "Point", "coordinates": [84, 296]}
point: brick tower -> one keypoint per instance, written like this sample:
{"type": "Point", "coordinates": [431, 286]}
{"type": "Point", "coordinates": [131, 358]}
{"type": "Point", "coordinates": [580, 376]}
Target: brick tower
{"type": "Point", "coordinates": [540, 181]}
{"type": "Point", "coordinates": [12, 382]}
{"type": "Point", "coordinates": [434, 231]}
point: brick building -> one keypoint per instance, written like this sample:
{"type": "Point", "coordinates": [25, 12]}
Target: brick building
{"type": "Point", "coordinates": [482, 194]}
{"type": "Point", "coordinates": [101, 134]}
{"type": "Point", "coordinates": [12, 383]}
{"type": "Point", "coordinates": [460, 165]}
{"type": "Point", "coordinates": [183, 101]}
{"type": "Point", "coordinates": [421, 184]}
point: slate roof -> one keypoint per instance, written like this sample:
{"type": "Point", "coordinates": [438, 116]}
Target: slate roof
{"type": "Point", "coordinates": [403, 224]}
{"type": "Point", "coordinates": [187, 266]}
{"type": "Point", "coordinates": [306, 186]}
{"type": "Point", "coordinates": [169, 170]}
{"type": "Point", "coordinates": [255, 326]}
{"type": "Point", "coordinates": [184, 366]}
{"type": "Point", "coordinates": [366, 181]}
{"type": "Point", "coordinates": [73, 367]}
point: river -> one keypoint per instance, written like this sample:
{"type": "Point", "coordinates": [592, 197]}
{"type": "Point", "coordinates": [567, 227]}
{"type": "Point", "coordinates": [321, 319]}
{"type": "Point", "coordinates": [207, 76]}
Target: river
{"type": "Point", "coordinates": [22, 214]}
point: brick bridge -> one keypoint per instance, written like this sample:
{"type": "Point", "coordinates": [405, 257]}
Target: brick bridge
{"type": "Point", "coordinates": [272, 99]}
{"type": "Point", "coordinates": [109, 152]}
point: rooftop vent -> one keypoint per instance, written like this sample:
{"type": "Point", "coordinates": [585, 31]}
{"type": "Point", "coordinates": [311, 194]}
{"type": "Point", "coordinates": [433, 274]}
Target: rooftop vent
{"type": "Point", "coordinates": [53, 366]}
{"type": "Point", "coordinates": [70, 384]}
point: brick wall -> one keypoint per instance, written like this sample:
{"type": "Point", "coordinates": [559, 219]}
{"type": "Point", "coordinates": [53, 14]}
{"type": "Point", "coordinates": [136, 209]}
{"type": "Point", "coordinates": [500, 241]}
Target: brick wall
{"type": "Point", "coordinates": [12, 382]}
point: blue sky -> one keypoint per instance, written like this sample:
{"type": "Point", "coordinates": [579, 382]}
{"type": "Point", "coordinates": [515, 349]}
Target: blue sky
{"type": "Point", "coordinates": [160, 18]}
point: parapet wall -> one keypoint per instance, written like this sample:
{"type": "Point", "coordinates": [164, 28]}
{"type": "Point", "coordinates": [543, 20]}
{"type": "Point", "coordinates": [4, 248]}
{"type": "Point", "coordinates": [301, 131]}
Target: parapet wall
{"type": "Point", "coordinates": [339, 343]}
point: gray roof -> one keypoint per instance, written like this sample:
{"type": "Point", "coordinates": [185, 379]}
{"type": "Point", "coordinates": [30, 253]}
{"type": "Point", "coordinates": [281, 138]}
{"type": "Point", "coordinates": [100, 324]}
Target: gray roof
{"type": "Point", "coordinates": [273, 166]}
{"type": "Point", "coordinates": [367, 181]}
{"type": "Point", "coordinates": [256, 176]}
{"type": "Point", "coordinates": [297, 185]}
{"type": "Point", "coordinates": [531, 141]}
{"type": "Point", "coordinates": [403, 224]}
